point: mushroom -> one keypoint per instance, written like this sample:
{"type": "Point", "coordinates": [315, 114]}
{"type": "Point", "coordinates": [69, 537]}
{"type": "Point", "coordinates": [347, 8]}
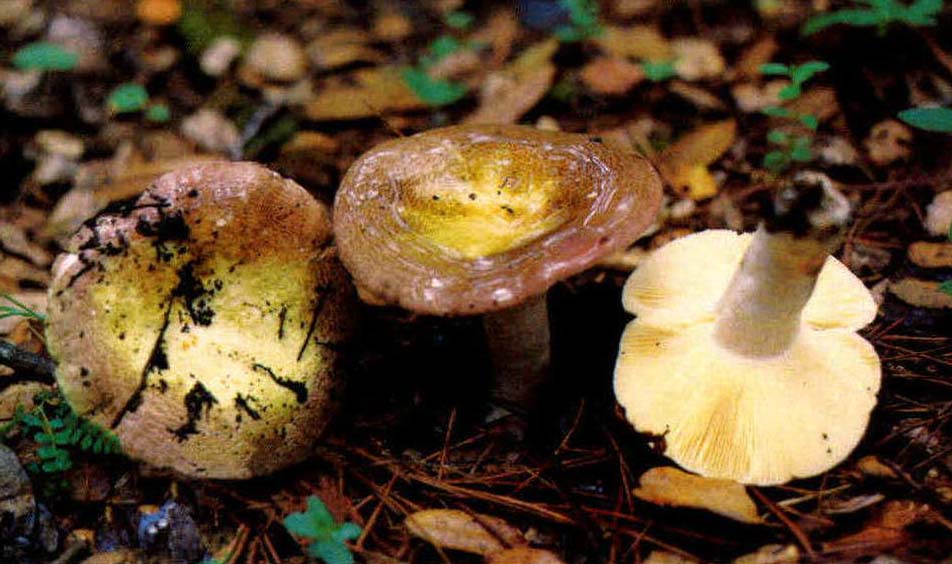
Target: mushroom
{"type": "Point", "coordinates": [484, 219]}
{"type": "Point", "coordinates": [744, 356]}
{"type": "Point", "coordinates": [202, 324]}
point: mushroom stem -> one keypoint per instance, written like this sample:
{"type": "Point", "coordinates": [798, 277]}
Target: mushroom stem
{"type": "Point", "coordinates": [759, 314]}
{"type": "Point", "coordinates": [518, 341]}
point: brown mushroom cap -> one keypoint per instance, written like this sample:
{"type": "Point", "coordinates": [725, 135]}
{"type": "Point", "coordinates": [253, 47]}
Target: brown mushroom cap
{"type": "Point", "coordinates": [472, 219]}
{"type": "Point", "coordinates": [200, 324]}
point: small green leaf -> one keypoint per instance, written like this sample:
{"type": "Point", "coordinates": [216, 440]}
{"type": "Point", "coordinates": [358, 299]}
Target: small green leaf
{"type": "Point", "coordinates": [435, 92]}
{"type": "Point", "coordinates": [459, 19]}
{"type": "Point", "coordinates": [44, 56]}
{"type": "Point", "coordinates": [658, 71]}
{"type": "Point", "coordinates": [800, 150]}
{"type": "Point", "coordinates": [929, 119]}
{"type": "Point", "coordinates": [810, 121]}
{"type": "Point", "coordinates": [347, 531]}
{"type": "Point", "coordinates": [805, 72]}
{"type": "Point", "coordinates": [48, 452]}
{"type": "Point", "coordinates": [778, 137]}
{"type": "Point", "coordinates": [128, 97]}
{"type": "Point", "coordinates": [776, 161]}
{"type": "Point", "coordinates": [444, 45]}
{"type": "Point", "coordinates": [774, 69]}
{"type": "Point", "coordinates": [331, 552]}
{"type": "Point", "coordinates": [158, 113]}
{"type": "Point", "coordinates": [946, 287]}
{"type": "Point", "coordinates": [789, 92]}
{"type": "Point", "coordinates": [777, 111]}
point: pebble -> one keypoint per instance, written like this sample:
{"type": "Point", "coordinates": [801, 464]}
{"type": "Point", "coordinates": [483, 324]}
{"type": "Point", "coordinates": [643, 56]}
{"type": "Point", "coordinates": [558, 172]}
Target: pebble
{"type": "Point", "coordinates": [17, 505]}
{"type": "Point", "coordinates": [277, 57]}
{"type": "Point", "coordinates": [211, 130]}
{"type": "Point", "coordinates": [939, 215]}
{"type": "Point", "coordinates": [218, 57]}
{"type": "Point", "coordinates": [888, 142]}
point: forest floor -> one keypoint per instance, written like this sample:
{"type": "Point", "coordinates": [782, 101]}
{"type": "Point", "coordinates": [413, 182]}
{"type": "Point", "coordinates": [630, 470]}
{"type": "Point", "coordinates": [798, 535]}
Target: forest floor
{"type": "Point", "coordinates": [99, 98]}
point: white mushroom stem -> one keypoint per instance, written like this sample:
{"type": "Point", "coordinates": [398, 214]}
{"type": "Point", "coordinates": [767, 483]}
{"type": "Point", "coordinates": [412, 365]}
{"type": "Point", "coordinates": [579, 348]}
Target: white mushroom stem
{"type": "Point", "coordinates": [759, 314]}
{"type": "Point", "coordinates": [518, 341]}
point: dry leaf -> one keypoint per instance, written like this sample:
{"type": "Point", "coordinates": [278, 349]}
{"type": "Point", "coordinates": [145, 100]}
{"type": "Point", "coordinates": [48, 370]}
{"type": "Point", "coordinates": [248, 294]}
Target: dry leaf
{"type": "Point", "coordinates": [342, 46]}
{"type": "Point", "coordinates": [365, 93]}
{"type": "Point", "coordinates": [684, 164]}
{"type": "Point", "coordinates": [819, 101]}
{"type": "Point", "coordinates": [938, 219]}
{"type": "Point", "coordinates": [772, 554]}
{"type": "Point", "coordinates": [871, 466]}
{"type": "Point", "coordinates": [698, 96]}
{"type": "Point", "coordinates": [662, 557]}
{"type": "Point", "coordinates": [697, 59]}
{"type": "Point", "coordinates": [853, 504]}
{"type": "Point", "coordinates": [931, 255]}
{"type": "Point", "coordinates": [524, 555]}
{"type": "Point", "coordinates": [611, 75]}
{"type": "Point", "coordinates": [639, 42]}
{"type": "Point", "coordinates": [670, 486]}
{"type": "Point", "coordinates": [500, 33]}
{"type": "Point", "coordinates": [511, 92]}
{"type": "Point", "coordinates": [888, 142]}
{"type": "Point", "coordinates": [20, 393]}
{"type": "Point", "coordinates": [750, 61]}
{"type": "Point", "coordinates": [391, 26]}
{"type": "Point", "coordinates": [884, 532]}
{"type": "Point", "coordinates": [458, 530]}
{"type": "Point", "coordinates": [159, 12]}
{"type": "Point", "coordinates": [921, 293]}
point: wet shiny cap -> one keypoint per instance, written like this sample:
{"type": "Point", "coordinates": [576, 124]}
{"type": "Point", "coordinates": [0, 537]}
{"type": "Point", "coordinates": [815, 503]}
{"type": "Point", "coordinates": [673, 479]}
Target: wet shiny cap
{"type": "Point", "coordinates": [471, 219]}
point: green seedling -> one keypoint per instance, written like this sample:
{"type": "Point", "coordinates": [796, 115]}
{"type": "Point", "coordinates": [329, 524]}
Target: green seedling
{"type": "Point", "coordinates": [791, 148]}
{"type": "Point", "coordinates": [459, 20]}
{"type": "Point", "coordinates": [58, 433]}
{"type": "Point", "coordinates": [132, 98]}
{"type": "Point", "coordinates": [583, 21]}
{"type": "Point", "coordinates": [878, 13]}
{"type": "Point", "coordinates": [44, 56]}
{"type": "Point", "coordinates": [929, 119]}
{"type": "Point", "coordinates": [435, 91]}
{"type": "Point", "coordinates": [659, 71]}
{"type": "Point", "coordinates": [328, 537]}
{"type": "Point", "coordinates": [18, 309]}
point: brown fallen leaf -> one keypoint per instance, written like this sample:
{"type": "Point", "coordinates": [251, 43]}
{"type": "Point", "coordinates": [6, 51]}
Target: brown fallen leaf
{"type": "Point", "coordinates": [667, 485]}
{"type": "Point", "coordinates": [921, 293]}
{"type": "Point", "coordinates": [684, 164]}
{"type": "Point", "coordinates": [611, 75]}
{"type": "Point", "coordinates": [931, 255]}
{"type": "Point", "coordinates": [159, 12]}
{"type": "Point", "coordinates": [457, 530]}
{"type": "Point", "coordinates": [884, 532]}
{"type": "Point", "coordinates": [697, 59]}
{"type": "Point", "coordinates": [872, 466]}
{"type": "Point", "coordinates": [760, 52]}
{"type": "Point", "coordinates": [819, 101]}
{"type": "Point", "coordinates": [20, 393]}
{"type": "Point", "coordinates": [524, 555]}
{"type": "Point", "coordinates": [364, 93]}
{"type": "Point", "coordinates": [342, 46]}
{"type": "Point", "coordinates": [500, 32]}
{"type": "Point", "coordinates": [662, 557]}
{"type": "Point", "coordinates": [511, 92]}
{"type": "Point", "coordinates": [701, 98]}
{"type": "Point", "coordinates": [390, 25]}
{"type": "Point", "coordinates": [639, 42]}
{"type": "Point", "coordinates": [771, 554]}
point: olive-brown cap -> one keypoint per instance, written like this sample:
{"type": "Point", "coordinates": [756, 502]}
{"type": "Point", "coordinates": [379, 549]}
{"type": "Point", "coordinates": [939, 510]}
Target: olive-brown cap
{"type": "Point", "coordinates": [472, 219]}
{"type": "Point", "coordinates": [202, 324]}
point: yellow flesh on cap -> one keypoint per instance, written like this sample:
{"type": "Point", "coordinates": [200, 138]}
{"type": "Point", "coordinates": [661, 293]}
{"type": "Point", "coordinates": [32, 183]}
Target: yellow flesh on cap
{"type": "Point", "coordinates": [493, 198]}
{"type": "Point", "coordinates": [755, 420]}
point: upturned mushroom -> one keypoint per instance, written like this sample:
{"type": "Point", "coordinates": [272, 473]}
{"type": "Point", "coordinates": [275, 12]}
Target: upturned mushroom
{"type": "Point", "coordinates": [744, 355]}
{"type": "Point", "coordinates": [473, 220]}
{"type": "Point", "coordinates": [202, 323]}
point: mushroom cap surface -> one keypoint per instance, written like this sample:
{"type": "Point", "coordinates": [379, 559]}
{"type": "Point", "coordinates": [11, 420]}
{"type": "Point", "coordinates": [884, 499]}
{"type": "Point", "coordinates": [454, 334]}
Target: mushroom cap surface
{"type": "Point", "coordinates": [471, 219]}
{"type": "Point", "coordinates": [755, 420]}
{"type": "Point", "coordinates": [201, 324]}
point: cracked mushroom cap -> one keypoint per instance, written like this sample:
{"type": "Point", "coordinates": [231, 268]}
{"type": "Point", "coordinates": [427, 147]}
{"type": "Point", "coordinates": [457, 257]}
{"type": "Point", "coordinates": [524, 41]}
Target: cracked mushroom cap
{"type": "Point", "coordinates": [756, 420]}
{"type": "Point", "coordinates": [471, 219]}
{"type": "Point", "coordinates": [201, 324]}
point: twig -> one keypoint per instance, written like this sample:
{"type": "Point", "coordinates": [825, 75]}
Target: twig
{"type": "Point", "coordinates": [26, 363]}
{"type": "Point", "coordinates": [794, 528]}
